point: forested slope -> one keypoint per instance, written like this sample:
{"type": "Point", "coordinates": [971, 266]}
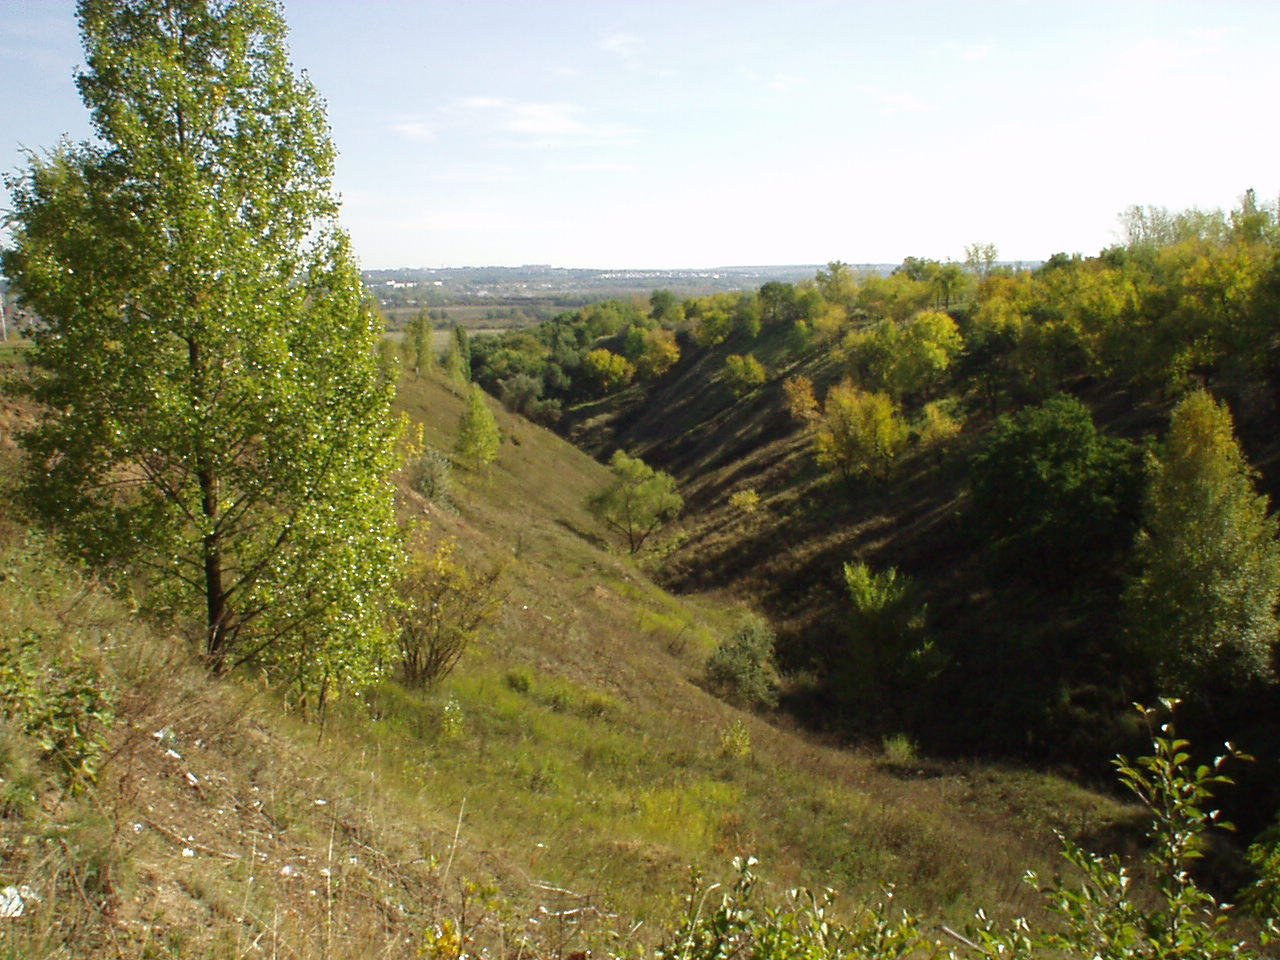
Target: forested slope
{"type": "Point", "coordinates": [986, 432]}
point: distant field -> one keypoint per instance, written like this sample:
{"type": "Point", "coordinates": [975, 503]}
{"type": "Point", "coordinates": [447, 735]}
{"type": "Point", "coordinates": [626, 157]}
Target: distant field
{"type": "Point", "coordinates": [473, 317]}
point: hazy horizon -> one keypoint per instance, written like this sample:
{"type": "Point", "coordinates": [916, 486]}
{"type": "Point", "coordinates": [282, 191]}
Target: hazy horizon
{"type": "Point", "coordinates": [617, 135]}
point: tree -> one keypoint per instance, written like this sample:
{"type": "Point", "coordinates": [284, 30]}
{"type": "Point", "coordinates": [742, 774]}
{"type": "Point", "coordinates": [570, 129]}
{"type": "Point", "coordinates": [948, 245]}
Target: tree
{"type": "Point", "coordinates": [456, 358]}
{"type": "Point", "coordinates": [888, 651]}
{"type": "Point", "coordinates": [801, 403]}
{"type": "Point", "coordinates": [659, 354]}
{"type": "Point", "coordinates": [743, 373]}
{"type": "Point", "coordinates": [859, 432]}
{"type": "Point", "coordinates": [419, 341]}
{"type": "Point", "coordinates": [217, 424]}
{"type": "Point", "coordinates": [980, 258]}
{"type": "Point", "coordinates": [607, 369]}
{"type": "Point", "coordinates": [478, 439]}
{"type": "Point", "coordinates": [1203, 605]}
{"type": "Point", "coordinates": [443, 604]}
{"type": "Point", "coordinates": [664, 307]}
{"type": "Point", "coordinates": [639, 501]}
{"type": "Point", "coordinates": [905, 357]}
{"type": "Point", "coordinates": [1052, 494]}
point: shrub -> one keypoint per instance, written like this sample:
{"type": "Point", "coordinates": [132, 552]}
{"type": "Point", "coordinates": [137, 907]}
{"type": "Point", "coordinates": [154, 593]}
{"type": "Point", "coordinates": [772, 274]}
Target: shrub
{"type": "Point", "coordinates": [741, 668]}
{"type": "Point", "coordinates": [899, 750]}
{"type": "Point", "coordinates": [735, 741]}
{"type": "Point", "coordinates": [431, 475]}
{"type": "Point", "coordinates": [442, 605]}
{"type": "Point", "coordinates": [745, 501]}
{"type": "Point", "coordinates": [519, 681]}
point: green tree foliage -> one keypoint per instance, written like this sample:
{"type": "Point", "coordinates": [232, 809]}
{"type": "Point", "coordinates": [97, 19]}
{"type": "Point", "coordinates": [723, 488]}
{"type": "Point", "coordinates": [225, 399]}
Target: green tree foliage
{"type": "Point", "coordinates": [456, 358]}
{"type": "Point", "coordinates": [418, 341]}
{"type": "Point", "coordinates": [638, 502]}
{"type": "Point", "coordinates": [888, 650]}
{"type": "Point", "coordinates": [665, 308]}
{"type": "Point", "coordinates": [1203, 605]}
{"type": "Point", "coordinates": [1051, 493]}
{"type": "Point", "coordinates": [443, 604]}
{"type": "Point", "coordinates": [711, 318]}
{"type": "Point", "coordinates": [837, 283]}
{"type": "Point", "coordinates": [217, 421]}
{"type": "Point", "coordinates": [980, 259]}
{"type": "Point", "coordinates": [858, 432]}
{"type": "Point", "coordinates": [743, 373]}
{"type": "Point", "coordinates": [607, 370]}
{"type": "Point", "coordinates": [741, 667]}
{"type": "Point", "coordinates": [478, 438]}
{"type": "Point", "coordinates": [907, 357]}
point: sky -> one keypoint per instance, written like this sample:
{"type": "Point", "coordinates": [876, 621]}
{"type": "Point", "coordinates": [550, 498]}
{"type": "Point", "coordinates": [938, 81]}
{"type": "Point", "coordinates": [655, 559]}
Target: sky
{"type": "Point", "coordinates": [619, 133]}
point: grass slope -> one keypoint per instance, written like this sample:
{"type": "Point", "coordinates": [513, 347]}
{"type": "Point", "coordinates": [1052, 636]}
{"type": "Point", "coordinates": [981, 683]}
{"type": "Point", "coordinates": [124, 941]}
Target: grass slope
{"type": "Point", "coordinates": [552, 792]}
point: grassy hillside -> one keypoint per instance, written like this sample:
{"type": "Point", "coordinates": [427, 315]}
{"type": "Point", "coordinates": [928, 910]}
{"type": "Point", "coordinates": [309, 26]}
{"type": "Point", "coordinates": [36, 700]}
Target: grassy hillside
{"type": "Point", "coordinates": [554, 789]}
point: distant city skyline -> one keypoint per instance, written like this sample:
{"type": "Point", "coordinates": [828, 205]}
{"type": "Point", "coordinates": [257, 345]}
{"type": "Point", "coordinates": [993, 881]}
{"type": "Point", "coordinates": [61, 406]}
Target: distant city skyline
{"type": "Point", "coordinates": [608, 134]}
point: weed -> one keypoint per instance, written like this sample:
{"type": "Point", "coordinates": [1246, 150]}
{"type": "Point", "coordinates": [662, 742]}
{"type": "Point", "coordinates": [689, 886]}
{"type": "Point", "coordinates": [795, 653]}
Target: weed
{"type": "Point", "coordinates": [899, 750]}
{"type": "Point", "coordinates": [735, 741]}
{"type": "Point", "coordinates": [62, 703]}
{"type": "Point", "coordinates": [451, 719]}
{"type": "Point", "coordinates": [519, 681]}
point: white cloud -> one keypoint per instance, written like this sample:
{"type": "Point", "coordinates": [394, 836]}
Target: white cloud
{"type": "Point", "coordinates": [477, 173]}
{"type": "Point", "coordinates": [418, 131]}
{"type": "Point", "coordinates": [905, 103]}
{"type": "Point", "coordinates": [534, 119]}
{"type": "Point", "coordinates": [1211, 35]}
{"type": "Point", "coordinates": [782, 82]}
{"type": "Point", "coordinates": [978, 52]}
{"type": "Point", "coordinates": [568, 72]}
{"type": "Point", "coordinates": [480, 103]}
{"type": "Point", "coordinates": [542, 118]}
{"type": "Point", "coordinates": [603, 167]}
{"type": "Point", "coordinates": [625, 45]}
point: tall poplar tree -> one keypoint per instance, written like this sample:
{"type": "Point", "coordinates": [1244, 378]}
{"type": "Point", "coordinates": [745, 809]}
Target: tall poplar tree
{"type": "Point", "coordinates": [478, 438]}
{"type": "Point", "coordinates": [215, 420]}
{"type": "Point", "coordinates": [1203, 605]}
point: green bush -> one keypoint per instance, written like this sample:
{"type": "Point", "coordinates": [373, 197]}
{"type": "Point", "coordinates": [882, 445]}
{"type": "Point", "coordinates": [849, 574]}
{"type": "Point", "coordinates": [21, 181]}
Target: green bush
{"type": "Point", "coordinates": [63, 704]}
{"type": "Point", "coordinates": [430, 474]}
{"type": "Point", "coordinates": [741, 668]}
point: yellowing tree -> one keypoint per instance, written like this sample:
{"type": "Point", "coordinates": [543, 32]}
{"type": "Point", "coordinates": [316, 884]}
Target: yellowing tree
{"type": "Point", "coordinates": [1204, 604]}
{"type": "Point", "coordinates": [659, 353]}
{"type": "Point", "coordinates": [216, 420]}
{"type": "Point", "coordinates": [859, 432]}
{"type": "Point", "coordinates": [443, 603]}
{"type": "Point", "coordinates": [905, 357]}
{"type": "Point", "coordinates": [801, 403]}
{"type": "Point", "coordinates": [608, 370]}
